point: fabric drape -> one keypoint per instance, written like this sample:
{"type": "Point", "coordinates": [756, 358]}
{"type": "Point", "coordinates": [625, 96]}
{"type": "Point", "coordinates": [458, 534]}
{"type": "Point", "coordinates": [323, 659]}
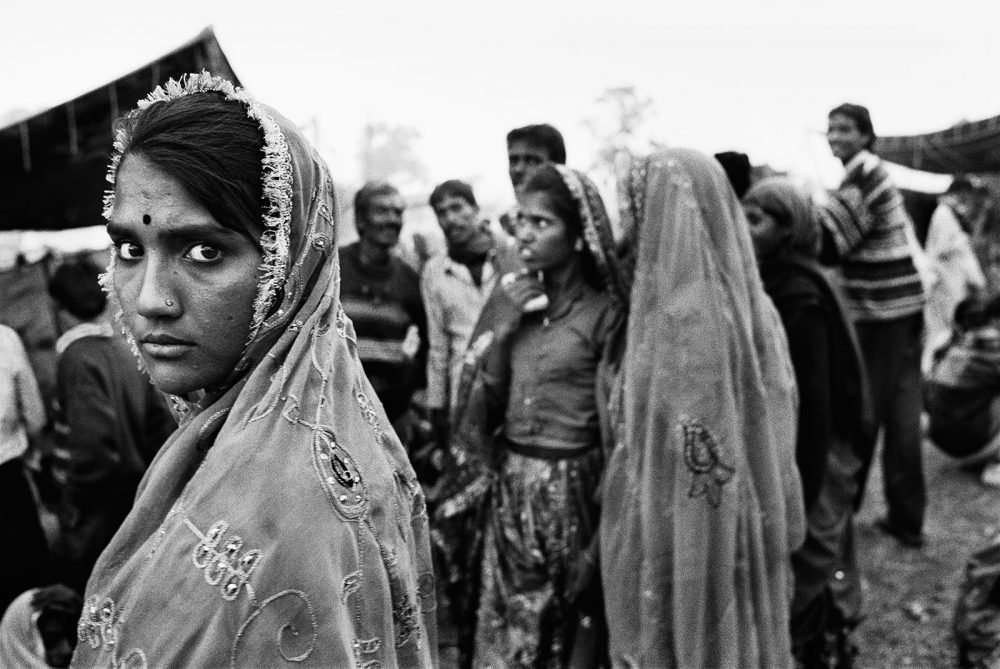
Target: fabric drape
{"type": "Point", "coordinates": [701, 502]}
{"type": "Point", "coordinates": [281, 523]}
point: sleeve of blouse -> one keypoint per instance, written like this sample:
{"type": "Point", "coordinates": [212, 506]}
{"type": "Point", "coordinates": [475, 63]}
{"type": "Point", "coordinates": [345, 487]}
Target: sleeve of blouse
{"type": "Point", "coordinates": [437, 341]}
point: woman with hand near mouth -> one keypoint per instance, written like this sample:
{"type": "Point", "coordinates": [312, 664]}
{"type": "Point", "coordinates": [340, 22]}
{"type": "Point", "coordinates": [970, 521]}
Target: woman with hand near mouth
{"type": "Point", "coordinates": [281, 522]}
{"type": "Point", "coordinates": [529, 424]}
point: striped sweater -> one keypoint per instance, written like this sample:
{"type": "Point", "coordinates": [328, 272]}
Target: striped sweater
{"type": "Point", "coordinates": [869, 227]}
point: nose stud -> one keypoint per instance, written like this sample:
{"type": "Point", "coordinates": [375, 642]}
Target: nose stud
{"type": "Point", "coordinates": [170, 303]}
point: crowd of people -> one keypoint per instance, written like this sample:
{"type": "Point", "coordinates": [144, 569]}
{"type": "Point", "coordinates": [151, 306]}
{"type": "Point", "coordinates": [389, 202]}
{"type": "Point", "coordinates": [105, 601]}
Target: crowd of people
{"type": "Point", "coordinates": [558, 443]}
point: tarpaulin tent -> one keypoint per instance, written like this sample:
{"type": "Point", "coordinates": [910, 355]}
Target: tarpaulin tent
{"type": "Point", "coordinates": [966, 147]}
{"type": "Point", "coordinates": [53, 164]}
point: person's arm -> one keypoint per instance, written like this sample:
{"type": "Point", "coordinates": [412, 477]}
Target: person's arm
{"type": "Point", "coordinates": [29, 397]}
{"type": "Point", "coordinates": [437, 342]}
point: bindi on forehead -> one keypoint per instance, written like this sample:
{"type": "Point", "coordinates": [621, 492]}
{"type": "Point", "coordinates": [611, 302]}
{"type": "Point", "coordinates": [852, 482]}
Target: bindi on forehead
{"type": "Point", "coordinates": [147, 219]}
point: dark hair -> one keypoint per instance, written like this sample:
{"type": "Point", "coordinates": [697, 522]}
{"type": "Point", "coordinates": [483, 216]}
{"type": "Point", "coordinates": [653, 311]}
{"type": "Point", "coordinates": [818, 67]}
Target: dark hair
{"type": "Point", "coordinates": [961, 184]}
{"type": "Point", "coordinates": [541, 135]}
{"type": "Point", "coordinates": [546, 179]}
{"type": "Point", "coordinates": [369, 192]}
{"type": "Point", "coordinates": [452, 188]}
{"type": "Point", "coordinates": [738, 169]}
{"type": "Point", "coordinates": [212, 148]}
{"type": "Point", "coordinates": [76, 288]}
{"type": "Point", "coordinates": [861, 117]}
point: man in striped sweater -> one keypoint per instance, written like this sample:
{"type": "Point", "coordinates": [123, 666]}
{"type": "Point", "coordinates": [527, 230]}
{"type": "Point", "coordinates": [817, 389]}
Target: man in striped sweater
{"type": "Point", "coordinates": [868, 231]}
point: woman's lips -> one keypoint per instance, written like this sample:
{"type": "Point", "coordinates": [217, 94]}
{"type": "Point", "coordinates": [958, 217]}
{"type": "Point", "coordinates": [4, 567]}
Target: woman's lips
{"type": "Point", "coordinates": [164, 346]}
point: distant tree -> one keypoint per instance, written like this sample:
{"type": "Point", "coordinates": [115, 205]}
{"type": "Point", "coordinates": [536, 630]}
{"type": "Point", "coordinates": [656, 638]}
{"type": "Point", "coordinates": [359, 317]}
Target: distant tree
{"type": "Point", "coordinates": [387, 152]}
{"type": "Point", "coordinates": [620, 125]}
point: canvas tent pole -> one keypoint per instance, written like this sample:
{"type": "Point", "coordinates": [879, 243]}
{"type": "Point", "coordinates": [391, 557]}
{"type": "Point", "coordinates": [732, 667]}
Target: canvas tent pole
{"type": "Point", "coordinates": [113, 97]}
{"type": "Point", "coordinates": [25, 147]}
{"type": "Point", "coordinates": [74, 139]}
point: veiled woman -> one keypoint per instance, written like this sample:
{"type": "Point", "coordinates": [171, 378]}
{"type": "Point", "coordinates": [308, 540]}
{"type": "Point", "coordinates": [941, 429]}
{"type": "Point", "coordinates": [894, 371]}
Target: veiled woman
{"type": "Point", "coordinates": [701, 503]}
{"type": "Point", "coordinates": [281, 523]}
{"type": "Point", "coordinates": [835, 415]}
{"type": "Point", "coordinates": [530, 423]}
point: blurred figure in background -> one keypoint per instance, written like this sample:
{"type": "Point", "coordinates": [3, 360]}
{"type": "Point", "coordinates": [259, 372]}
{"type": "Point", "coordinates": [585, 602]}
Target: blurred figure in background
{"type": "Point", "coordinates": [381, 295]}
{"type": "Point", "coordinates": [875, 246]}
{"type": "Point", "coordinates": [527, 148]}
{"type": "Point", "coordinates": [738, 170]}
{"type": "Point", "coordinates": [110, 421]}
{"type": "Point", "coordinates": [834, 415]}
{"type": "Point", "coordinates": [983, 218]}
{"type": "Point", "coordinates": [22, 414]}
{"type": "Point", "coordinates": [454, 287]}
{"type": "Point", "coordinates": [962, 393]}
{"type": "Point", "coordinates": [955, 268]}
{"type": "Point", "coordinates": [38, 630]}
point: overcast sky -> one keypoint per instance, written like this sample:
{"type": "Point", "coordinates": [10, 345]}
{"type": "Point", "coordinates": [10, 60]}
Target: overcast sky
{"type": "Point", "coordinates": [757, 76]}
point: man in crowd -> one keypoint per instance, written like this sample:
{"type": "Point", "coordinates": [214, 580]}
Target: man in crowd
{"type": "Point", "coordinates": [527, 148]}
{"type": "Point", "coordinates": [110, 421]}
{"type": "Point", "coordinates": [455, 286]}
{"type": "Point", "coordinates": [381, 295]}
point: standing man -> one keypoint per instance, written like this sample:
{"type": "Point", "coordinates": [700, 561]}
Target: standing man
{"type": "Point", "coordinates": [381, 295]}
{"type": "Point", "coordinates": [455, 286]}
{"type": "Point", "coordinates": [876, 249]}
{"type": "Point", "coordinates": [110, 421]}
{"type": "Point", "coordinates": [527, 148]}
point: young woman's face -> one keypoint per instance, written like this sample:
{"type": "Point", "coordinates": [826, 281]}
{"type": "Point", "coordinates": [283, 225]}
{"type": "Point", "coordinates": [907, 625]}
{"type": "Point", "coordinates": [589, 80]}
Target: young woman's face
{"type": "Point", "coordinates": [186, 284]}
{"type": "Point", "coordinates": [765, 232]}
{"type": "Point", "coordinates": [844, 137]}
{"type": "Point", "coordinates": [543, 238]}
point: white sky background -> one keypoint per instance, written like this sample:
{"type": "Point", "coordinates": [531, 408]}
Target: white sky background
{"type": "Point", "coordinates": [756, 76]}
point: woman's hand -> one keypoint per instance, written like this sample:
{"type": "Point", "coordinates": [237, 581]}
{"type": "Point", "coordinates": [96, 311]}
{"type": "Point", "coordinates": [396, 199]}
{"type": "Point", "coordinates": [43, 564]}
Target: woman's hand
{"type": "Point", "coordinates": [525, 289]}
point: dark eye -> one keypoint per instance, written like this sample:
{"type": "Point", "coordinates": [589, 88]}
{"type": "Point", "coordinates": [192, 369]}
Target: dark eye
{"type": "Point", "coordinates": [128, 250]}
{"type": "Point", "coordinates": [204, 253]}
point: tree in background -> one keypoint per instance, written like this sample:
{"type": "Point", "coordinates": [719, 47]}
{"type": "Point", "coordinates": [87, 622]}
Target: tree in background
{"type": "Point", "coordinates": [387, 152]}
{"type": "Point", "coordinates": [620, 126]}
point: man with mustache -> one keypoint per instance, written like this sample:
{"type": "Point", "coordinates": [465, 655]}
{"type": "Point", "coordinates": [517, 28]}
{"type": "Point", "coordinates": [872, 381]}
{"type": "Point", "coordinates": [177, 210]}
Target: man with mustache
{"type": "Point", "coordinates": [381, 295]}
{"type": "Point", "coordinates": [455, 286]}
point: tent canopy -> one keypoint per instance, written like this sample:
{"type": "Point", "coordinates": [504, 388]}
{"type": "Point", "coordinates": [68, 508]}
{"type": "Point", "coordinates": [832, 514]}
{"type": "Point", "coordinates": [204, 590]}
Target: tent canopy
{"type": "Point", "coordinates": [967, 147]}
{"type": "Point", "coordinates": [53, 164]}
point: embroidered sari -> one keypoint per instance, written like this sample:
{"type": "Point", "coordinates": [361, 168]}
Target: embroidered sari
{"type": "Point", "coordinates": [518, 523]}
{"type": "Point", "coordinates": [701, 504]}
{"type": "Point", "coordinates": [281, 524]}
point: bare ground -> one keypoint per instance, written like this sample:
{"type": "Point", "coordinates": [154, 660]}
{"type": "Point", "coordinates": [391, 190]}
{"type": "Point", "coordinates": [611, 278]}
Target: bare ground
{"type": "Point", "coordinates": [910, 593]}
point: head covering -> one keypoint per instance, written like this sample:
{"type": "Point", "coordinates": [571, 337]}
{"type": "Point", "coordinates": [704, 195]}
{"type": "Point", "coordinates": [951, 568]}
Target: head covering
{"type": "Point", "coordinates": [701, 500]}
{"type": "Point", "coordinates": [782, 198]}
{"type": "Point", "coordinates": [282, 521]}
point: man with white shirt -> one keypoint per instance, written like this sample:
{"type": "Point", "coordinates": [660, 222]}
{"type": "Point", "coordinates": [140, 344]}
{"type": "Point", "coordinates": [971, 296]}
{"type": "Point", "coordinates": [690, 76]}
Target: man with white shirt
{"type": "Point", "coordinates": [454, 287]}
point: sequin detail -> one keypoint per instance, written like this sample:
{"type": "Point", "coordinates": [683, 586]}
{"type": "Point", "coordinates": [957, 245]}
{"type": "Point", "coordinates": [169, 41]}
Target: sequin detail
{"type": "Point", "coordinates": [370, 415]}
{"type": "Point", "coordinates": [100, 627]}
{"type": "Point", "coordinates": [223, 560]}
{"type": "Point", "coordinates": [404, 615]}
{"type": "Point", "coordinates": [339, 473]}
{"type": "Point", "coordinates": [703, 457]}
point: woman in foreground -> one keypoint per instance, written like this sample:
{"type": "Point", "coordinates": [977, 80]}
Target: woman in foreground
{"type": "Point", "coordinates": [281, 523]}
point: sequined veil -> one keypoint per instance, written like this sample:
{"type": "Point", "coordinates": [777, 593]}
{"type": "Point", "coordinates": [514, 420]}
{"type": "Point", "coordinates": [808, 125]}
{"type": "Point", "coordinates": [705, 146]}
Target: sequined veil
{"type": "Point", "coordinates": [281, 523]}
{"type": "Point", "coordinates": [701, 499]}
